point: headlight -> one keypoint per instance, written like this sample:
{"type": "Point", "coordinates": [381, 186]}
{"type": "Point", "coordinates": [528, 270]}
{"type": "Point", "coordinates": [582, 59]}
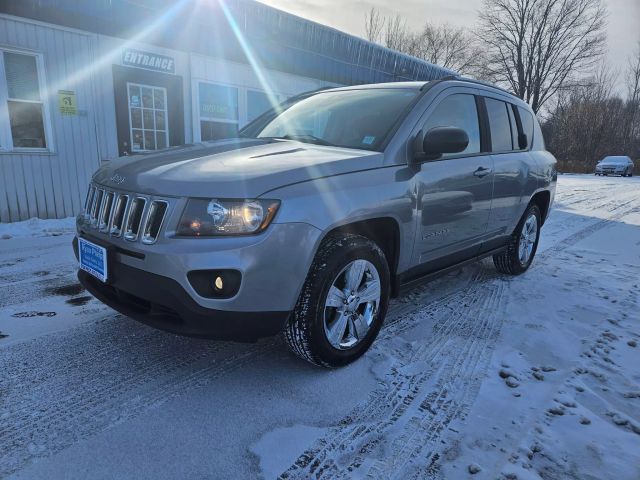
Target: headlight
{"type": "Point", "coordinates": [203, 217]}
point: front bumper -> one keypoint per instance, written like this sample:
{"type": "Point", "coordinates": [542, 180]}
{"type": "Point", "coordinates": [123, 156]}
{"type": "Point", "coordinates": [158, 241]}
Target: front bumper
{"type": "Point", "coordinates": [149, 282]}
{"type": "Point", "coordinates": [611, 171]}
{"type": "Point", "coordinates": [162, 303]}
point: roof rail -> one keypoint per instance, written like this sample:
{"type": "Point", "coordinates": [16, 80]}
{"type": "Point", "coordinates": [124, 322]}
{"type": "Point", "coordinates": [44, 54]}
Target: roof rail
{"type": "Point", "coordinates": [479, 82]}
{"type": "Point", "coordinates": [431, 83]}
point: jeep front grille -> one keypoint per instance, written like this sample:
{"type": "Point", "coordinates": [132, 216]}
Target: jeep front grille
{"type": "Point", "coordinates": [89, 201]}
{"type": "Point", "coordinates": [104, 219]}
{"type": "Point", "coordinates": [119, 210]}
{"type": "Point", "coordinates": [153, 222]}
{"type": "Point", "coordinates": [95, 207]}
{"type": "Point", "coordinates": [134, 218]}
{"type": "Point", "coordinates": [119, 214]}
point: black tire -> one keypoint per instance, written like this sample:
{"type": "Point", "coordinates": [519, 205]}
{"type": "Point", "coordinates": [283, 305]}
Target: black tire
{"type": "Point", "coordinates": [508, 261]}
{"type": "Point", "coordinates": [304, 332]}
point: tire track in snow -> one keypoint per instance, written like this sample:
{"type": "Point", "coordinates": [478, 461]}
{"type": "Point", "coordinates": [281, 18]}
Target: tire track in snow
{"type": "Point", "coordinates": [618, 213]}
{"type": "Point", "coordinates": [385, 399]}
{"type": "Point", "coordinates": [57, 407]}
{"type": "Point", "coordinates": [370, 424]}
{"type": "Point", "coordinates": [458, 386]}
{"type": "Point", "coordinates": [17, 291]}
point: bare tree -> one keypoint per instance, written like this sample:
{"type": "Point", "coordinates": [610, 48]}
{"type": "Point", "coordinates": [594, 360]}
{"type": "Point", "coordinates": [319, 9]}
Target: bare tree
{"type": "Point", "coordinates": [633, 76]}
{"type": "Point", "coordinates": [445, 45]}
{"type": "Point", "coordinates": [539, 47]}
{"type": "Point", "coordinates": [589, 121]}
{"type": "Point", "coordinates": [632, 124]}
{"type": "Point", "coordinates": [397, 36]}
{"type": "Point", "coordinates": [373, 25]}
{"type": "Point", "coordinates": [450, 47]}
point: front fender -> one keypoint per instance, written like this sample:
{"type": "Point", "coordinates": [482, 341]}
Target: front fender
{"type": "Point", "coordinates": [332, 202]}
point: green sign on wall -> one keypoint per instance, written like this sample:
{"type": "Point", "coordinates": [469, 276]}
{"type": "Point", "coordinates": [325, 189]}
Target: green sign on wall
{"type": "Point", "coordinates": [67, 104]}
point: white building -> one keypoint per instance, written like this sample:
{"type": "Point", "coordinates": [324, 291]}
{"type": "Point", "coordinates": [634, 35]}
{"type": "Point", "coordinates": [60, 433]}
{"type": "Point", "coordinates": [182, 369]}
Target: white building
{"type": "Point", "coordinates": [86, 82]}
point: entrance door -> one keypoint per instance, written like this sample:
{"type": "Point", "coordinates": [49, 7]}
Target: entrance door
{"type": "Point", "coordinates": [147, 117]}
{"type": "Point", "coordinates": [149, 110]}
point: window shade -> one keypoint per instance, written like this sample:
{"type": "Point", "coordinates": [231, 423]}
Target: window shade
{"type": "Point", "coordinates": [22, 76]}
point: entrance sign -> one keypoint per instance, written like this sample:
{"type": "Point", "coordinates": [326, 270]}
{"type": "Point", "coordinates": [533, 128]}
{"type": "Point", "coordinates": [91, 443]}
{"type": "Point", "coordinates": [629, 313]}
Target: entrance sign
{"type": "Point", "coordinates": [148, 60]}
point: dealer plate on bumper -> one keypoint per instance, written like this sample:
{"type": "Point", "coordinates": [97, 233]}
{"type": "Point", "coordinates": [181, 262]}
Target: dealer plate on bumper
{"type": "Point", "coordinates": [93, 259]}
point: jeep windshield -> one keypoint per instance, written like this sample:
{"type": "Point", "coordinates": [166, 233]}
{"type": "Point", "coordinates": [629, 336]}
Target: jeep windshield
{"type": "Point", "coordinates": [345, 118]}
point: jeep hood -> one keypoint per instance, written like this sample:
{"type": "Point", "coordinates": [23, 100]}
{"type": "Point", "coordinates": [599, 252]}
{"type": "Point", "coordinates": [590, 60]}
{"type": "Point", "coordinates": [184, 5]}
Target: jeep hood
{"type": "Point", "coordinates": [237, 168]}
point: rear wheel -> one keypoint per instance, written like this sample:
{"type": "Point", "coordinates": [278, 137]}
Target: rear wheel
{"type": "Point", "coordinates": [523, 245]}
{"type": "Point", "coordinates": [342, 304]}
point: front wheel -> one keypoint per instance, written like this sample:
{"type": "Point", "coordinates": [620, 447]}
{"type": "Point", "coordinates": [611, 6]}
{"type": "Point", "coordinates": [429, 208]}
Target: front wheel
{"type": "Point", "coordinates": [523, 244]}
{"type": "Point", "coordinates": [342, 304]}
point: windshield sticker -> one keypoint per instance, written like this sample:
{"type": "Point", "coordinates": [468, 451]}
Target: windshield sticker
{"type": "Point", "coordinates": [368, 140]}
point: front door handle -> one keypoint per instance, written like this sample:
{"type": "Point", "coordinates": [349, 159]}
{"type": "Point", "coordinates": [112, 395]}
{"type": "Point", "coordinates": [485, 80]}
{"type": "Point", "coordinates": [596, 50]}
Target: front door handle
{"type": "Point", "coordinates": [482, 172]}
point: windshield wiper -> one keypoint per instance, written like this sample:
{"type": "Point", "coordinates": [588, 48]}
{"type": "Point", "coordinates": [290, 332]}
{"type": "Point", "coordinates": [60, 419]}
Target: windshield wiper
{"type": "Point", "coordinates": [305, 137]}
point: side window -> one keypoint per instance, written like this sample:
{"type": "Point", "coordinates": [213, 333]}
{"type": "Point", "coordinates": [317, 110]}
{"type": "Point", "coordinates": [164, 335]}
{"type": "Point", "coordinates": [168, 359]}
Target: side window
{"type": "Point", "coordinates": [527, 124]}
{"type": "Point", "coordinates": [501, 136]}
{"type": "Point", "coordinates": [458, 110]}
{"type": "Point", "coordinates": [514, 127]}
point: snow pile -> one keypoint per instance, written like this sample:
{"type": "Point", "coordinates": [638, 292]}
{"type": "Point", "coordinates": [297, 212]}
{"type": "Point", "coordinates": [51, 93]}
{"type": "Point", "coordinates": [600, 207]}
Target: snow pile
{"type": "Point", "coordinates": [37, 227]}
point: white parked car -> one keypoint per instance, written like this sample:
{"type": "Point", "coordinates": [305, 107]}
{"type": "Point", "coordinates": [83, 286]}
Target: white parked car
{"type": "Point", "coordinates": [615, 165]}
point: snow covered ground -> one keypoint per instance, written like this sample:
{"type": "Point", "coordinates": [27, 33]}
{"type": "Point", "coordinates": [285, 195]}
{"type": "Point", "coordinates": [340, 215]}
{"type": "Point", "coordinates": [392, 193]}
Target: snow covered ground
{"type": "Point", "coordinates": [531, 377]}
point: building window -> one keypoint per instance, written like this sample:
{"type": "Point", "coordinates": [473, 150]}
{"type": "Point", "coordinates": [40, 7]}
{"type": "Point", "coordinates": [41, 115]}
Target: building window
{"type": "Point", "coordinates": [257, 103]}
{"type": "Point", "coordinates": [218, 109]}
{"type": "Point", "coordinates": [21, 96]}
{"type": "Point", "coordinates": [147, 117]}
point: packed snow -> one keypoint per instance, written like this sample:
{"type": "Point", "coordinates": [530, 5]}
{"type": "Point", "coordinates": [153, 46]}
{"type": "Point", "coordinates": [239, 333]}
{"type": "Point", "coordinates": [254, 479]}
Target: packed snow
{"type": "Point", "coordinates": [37, 227]}
{"type": "Point", "coordinates": [475, 375]}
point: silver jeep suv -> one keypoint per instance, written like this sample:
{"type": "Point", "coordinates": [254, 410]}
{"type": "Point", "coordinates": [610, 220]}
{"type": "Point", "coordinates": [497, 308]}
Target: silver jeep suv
{"type": "Point", "coordinates": [321, 210]}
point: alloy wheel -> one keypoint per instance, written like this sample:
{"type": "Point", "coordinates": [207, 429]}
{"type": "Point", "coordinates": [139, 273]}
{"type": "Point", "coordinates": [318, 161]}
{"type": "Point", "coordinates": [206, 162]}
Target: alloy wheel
{"type": "Point", "coordinates": [528, 238]}
{"type": "Point", "coordinates": [352, 304]}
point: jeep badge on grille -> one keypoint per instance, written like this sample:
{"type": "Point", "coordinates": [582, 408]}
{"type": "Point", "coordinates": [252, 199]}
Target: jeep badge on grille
{"type": "Point", "coordinates": [117, 179]}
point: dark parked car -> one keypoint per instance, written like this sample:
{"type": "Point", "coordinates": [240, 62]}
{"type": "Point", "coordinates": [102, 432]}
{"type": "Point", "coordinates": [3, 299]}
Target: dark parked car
{"type": "Point", "coordinates": [320, 212]}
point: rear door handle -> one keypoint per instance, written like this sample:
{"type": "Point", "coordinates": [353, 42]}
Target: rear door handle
{"type": "Point", "coordinates": [482, 172]}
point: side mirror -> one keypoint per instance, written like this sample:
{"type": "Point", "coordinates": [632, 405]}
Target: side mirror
{"type": "Point", "coordinates": [441, 140]}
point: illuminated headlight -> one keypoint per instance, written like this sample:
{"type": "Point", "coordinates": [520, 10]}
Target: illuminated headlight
{"type": "Point", "coordinates": [204, 217]}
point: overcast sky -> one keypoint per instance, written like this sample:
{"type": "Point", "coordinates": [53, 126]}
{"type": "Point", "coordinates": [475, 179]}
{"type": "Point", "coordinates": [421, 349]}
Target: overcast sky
{"type": "Point", "coordinates": [348, 15]}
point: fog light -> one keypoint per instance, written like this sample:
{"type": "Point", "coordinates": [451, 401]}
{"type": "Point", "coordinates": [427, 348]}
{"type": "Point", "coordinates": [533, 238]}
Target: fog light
{"type": "Point", "coordinates": [215, 283]}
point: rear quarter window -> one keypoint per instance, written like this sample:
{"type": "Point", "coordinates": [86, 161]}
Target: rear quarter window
{"type": "Point", "coordinates": [500, 125]}
{"type": "Point", "coordinates": [528, 125]}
